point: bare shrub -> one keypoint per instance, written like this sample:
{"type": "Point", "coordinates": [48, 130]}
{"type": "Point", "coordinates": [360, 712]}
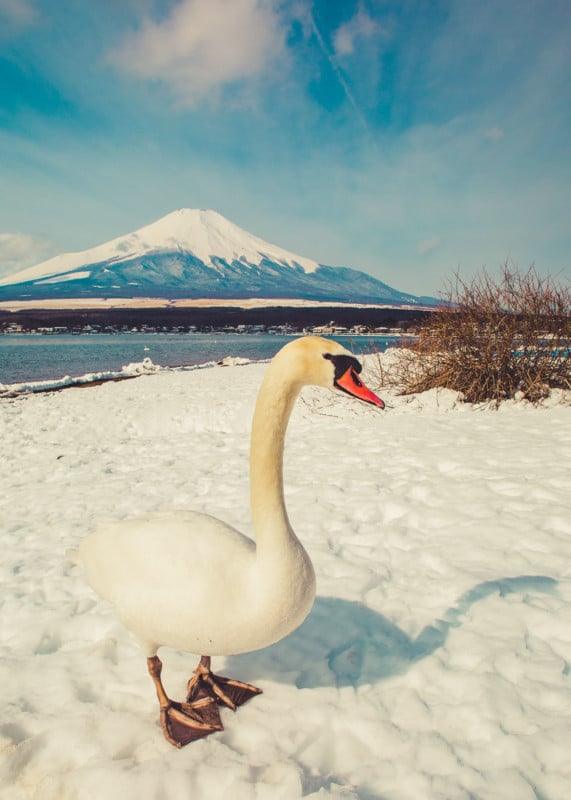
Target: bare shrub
{"type": "Point", "coordinates": [494, 338]}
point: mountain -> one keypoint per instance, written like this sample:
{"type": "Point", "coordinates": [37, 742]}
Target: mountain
{"type": "Point", "coordinates": [194, 253]}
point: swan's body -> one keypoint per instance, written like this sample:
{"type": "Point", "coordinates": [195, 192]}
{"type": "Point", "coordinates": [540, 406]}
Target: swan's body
{"type": "Point", "coordinates": [173, 588]}
{"type": "Point", "coordinates": [194, 583]}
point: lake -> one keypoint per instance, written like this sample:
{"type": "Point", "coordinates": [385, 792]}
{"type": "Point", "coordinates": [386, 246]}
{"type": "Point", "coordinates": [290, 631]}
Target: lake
{"type": "Point", "coordinates": [34, 357]}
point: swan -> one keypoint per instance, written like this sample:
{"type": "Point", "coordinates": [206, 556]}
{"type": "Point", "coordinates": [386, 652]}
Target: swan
{"type": "Point", "coordinates": [189, 581]}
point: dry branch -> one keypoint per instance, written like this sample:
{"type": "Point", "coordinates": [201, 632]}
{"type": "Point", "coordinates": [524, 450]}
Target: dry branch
{"type": "Point", "coordinates": [494, 339]}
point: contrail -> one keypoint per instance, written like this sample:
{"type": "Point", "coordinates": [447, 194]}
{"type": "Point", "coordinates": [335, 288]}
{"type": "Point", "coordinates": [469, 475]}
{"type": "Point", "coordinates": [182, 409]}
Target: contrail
{"type": "Point", "coordinates": [340, 77]}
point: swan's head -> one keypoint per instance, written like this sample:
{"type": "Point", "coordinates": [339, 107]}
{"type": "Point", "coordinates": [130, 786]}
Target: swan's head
{"type": "Point", "coordinates": [323, 362]}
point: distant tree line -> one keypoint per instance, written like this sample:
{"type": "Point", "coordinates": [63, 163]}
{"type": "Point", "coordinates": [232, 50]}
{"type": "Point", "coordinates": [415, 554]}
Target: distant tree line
{"type": "Point", "coordinates": [212, 318]}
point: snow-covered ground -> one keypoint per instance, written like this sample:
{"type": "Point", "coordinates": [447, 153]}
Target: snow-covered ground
{"type": "Point", "coordinates": [436, 661]}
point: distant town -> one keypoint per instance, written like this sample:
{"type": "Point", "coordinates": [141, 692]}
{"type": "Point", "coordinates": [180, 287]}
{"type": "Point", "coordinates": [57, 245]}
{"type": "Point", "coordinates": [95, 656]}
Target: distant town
{"type": "Point", "coordinates": [280, 330]}
{"type": "Point", "coordinates": [348, 321]}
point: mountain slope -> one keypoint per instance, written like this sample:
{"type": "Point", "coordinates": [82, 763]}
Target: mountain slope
{"type": "Point", "coordinates": [195, 253]}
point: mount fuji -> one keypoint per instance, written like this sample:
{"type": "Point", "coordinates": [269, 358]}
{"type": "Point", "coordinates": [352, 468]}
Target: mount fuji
{"type": "Point", "coordinates": [192, 253]}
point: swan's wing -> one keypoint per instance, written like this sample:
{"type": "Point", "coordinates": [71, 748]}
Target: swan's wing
{"type": "Point", "coordinates": [164, 550]}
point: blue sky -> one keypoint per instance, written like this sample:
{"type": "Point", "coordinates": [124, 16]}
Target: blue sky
{"type": "Point", "coordinates": [408, 139]}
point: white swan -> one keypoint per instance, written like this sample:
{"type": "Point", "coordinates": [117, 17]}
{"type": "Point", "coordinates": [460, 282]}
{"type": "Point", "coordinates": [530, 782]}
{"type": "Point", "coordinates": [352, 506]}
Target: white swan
{"type": "Point", "coordinates": [190, 581]}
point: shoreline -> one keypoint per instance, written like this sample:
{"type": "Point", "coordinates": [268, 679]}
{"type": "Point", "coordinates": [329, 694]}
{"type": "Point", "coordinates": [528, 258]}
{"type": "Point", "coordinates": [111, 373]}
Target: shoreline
{"type": "Point", "coordinates": [13, 394]}
{"type": "Point", "coordinates": [146, 367]}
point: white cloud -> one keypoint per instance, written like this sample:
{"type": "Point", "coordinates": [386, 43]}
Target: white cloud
{"type": "Point", "coordinates": [361, 26]}
{"type": "Point", "coordinates": [20, 250]}
{"type": "Point", "coordinates": [18, 13]}
{"type": "Point", "coordinates": [495, 134]}
{"type": "Point", "coordinates": [428, 245]}
{"type": "Point", "coordinates": [203, 45]}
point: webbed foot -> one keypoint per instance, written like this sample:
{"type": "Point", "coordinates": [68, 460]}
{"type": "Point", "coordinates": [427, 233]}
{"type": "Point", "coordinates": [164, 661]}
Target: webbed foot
{"type": "Point", "coordinates": [224, 691]}
{"type": "Point", "coordinates": [183, 723]}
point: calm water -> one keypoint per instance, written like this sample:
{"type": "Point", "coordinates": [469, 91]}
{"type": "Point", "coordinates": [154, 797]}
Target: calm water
{"type": "Point", "coordinates": [34, 357]}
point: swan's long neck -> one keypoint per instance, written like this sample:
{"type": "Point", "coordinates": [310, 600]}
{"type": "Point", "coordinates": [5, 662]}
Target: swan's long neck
{"type": "Point", "coordinates": [275, 401]}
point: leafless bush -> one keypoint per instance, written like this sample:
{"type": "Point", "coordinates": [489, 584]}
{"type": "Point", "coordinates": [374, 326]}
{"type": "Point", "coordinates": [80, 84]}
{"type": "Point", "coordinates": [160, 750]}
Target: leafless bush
{"type": "Point", "coordinates": [494, 338]}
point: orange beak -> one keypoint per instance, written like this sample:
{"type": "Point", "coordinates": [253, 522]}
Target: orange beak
{"type": "Point", "coordinates": [351, 383]}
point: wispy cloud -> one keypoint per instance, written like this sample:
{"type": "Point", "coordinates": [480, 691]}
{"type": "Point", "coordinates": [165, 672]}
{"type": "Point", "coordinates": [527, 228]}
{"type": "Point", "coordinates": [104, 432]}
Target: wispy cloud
{"type": "Point", "coordinates": [203, 45]}
{"type": "Point", "coordinates": [16, 15]}
{"type": "Point", "coordinates": [347, 36]}
{"type": "Point", "coordinates": [339, 74]}
{"type": "Point", "coordinates": [428, 245]}
{"type": "Point", "coordinates": [20, 250]}
{"type": "Point", "coordinates": [494, 134]}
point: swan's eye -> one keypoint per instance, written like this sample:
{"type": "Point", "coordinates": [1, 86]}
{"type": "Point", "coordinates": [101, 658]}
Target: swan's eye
{"type": "Point", "coordinates": [342, 363]}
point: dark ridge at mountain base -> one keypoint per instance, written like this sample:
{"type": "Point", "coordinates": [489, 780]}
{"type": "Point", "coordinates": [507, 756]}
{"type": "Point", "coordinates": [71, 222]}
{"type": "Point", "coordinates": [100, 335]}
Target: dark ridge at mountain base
{"type": "Point", "coordinates": [213, 317]}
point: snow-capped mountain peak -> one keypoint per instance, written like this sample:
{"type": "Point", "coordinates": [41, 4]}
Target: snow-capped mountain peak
{"type": "Point", "coordinates": [195, 253]}
{"type": "Point", "coordinates": [202, 233]}
{"type": "Point", "coordinates": [207, 234]}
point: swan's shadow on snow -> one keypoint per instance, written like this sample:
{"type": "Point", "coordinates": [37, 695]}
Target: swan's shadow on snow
{"type": "Point", "coordinates": [345, 643]}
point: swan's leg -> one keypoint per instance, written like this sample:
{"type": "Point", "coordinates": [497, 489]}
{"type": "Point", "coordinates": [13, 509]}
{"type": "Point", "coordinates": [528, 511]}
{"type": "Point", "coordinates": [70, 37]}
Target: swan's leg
{"type": "Point", "coordinates": [226, 691]}
{"type": "Point", "coordinates": [181, 722]}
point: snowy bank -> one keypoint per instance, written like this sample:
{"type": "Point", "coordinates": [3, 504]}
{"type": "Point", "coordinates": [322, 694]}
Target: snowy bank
{"type": "Point", "coordinates": [436, 661]}
{"type": "Point", "coordinates": [133, 370]}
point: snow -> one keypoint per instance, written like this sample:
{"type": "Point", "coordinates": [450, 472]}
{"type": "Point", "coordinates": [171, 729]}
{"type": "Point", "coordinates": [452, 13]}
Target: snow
{"type": "Point", "coordinates": [74, 276]}
{"type": "Point", "coordinates": [203, 233]}
{"type": "Point", "coordinates": [434, 666]}
{"type": "Point", "coordinates": [186, 302]}
{"type": "Point", "coordinates": [133, 370]}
